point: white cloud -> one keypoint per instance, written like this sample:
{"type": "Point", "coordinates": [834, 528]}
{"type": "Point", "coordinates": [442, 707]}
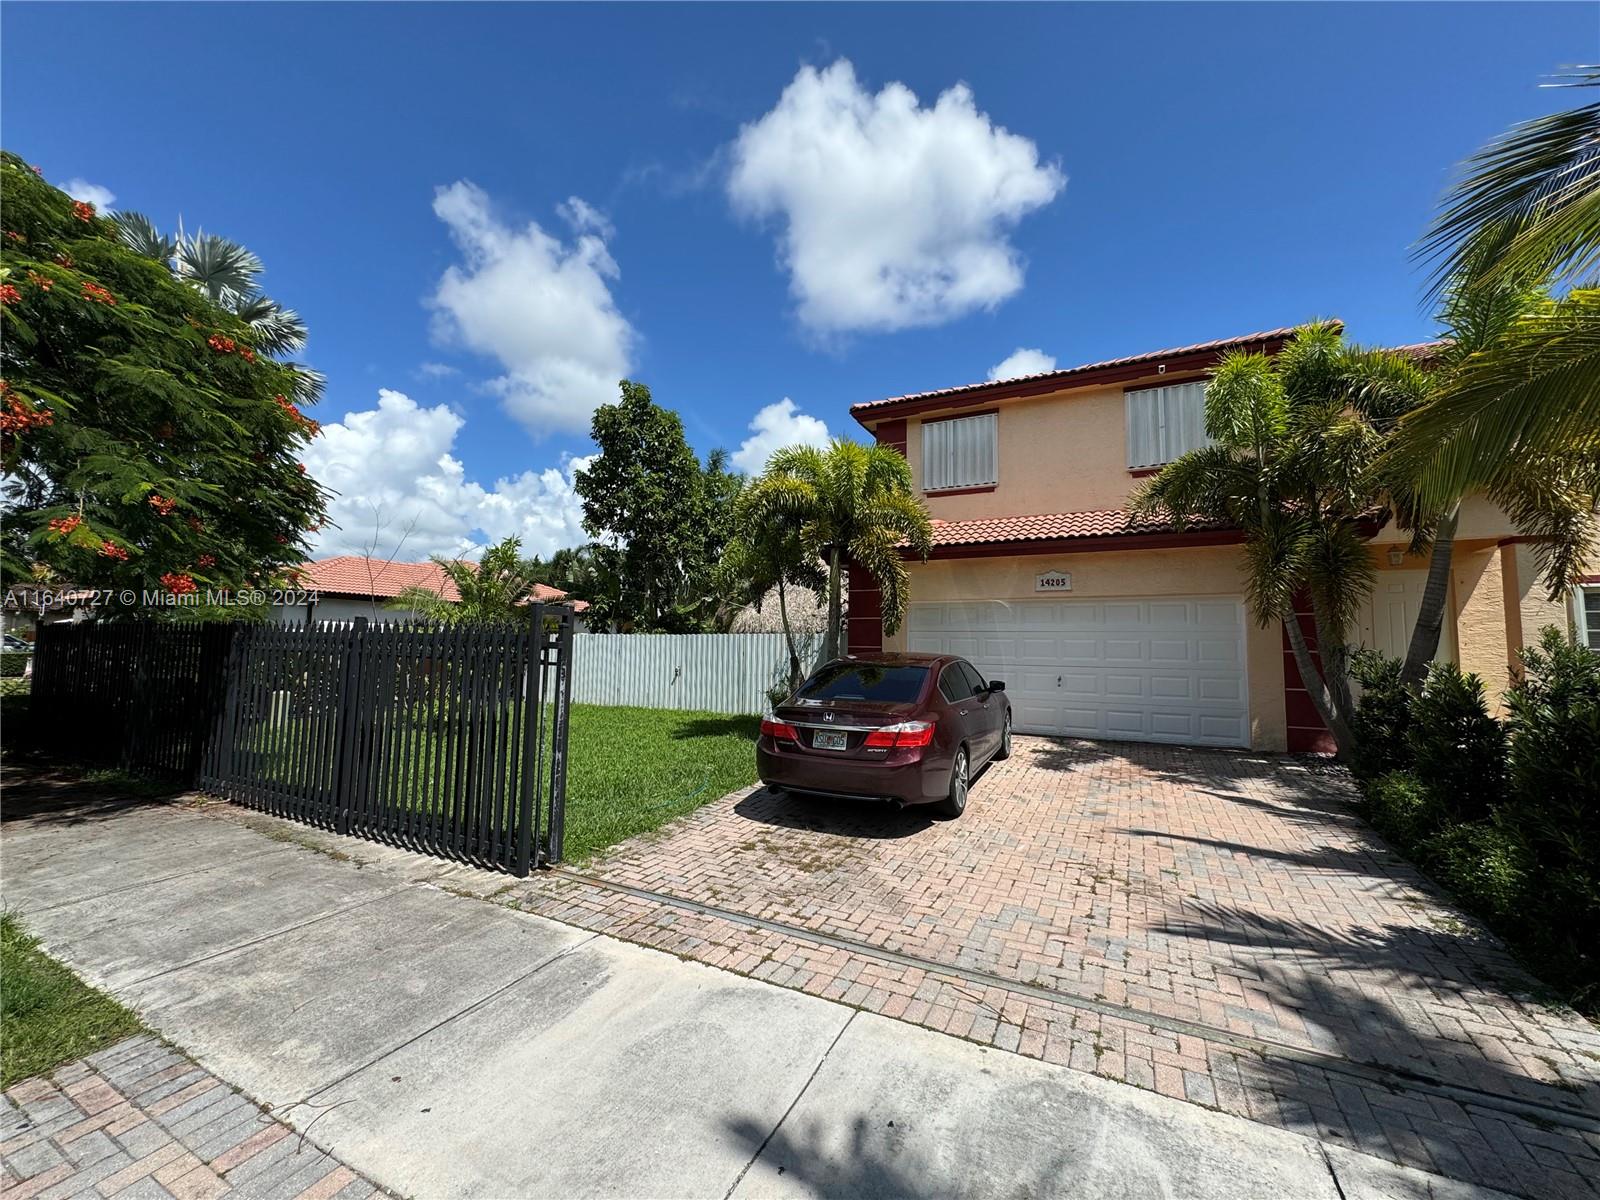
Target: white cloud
{"type": "Point", "coordinates": [401, 493]}
{"type": "Point", "coordinates": [893, 215]}
{"type": "Point", "coordinates": [541, 306]}
{"type": "Point", "coordinates": [775, 426]}
{"type": "Point", "coordinates": [81, 189]}
{"type": "Point", "coordinates": [437, 370]}
{"type": "Point", "coordinates": [1023, 361]}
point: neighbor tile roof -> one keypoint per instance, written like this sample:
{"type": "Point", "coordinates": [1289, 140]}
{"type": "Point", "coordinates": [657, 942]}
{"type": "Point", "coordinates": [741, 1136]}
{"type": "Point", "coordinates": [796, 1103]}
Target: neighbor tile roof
{"type": "Point", "coordinates": [1103, 522]}
{"type": "Point", "coordinates": [353, 575]}
{"type": "Point", "coordinates": [1248, 339]}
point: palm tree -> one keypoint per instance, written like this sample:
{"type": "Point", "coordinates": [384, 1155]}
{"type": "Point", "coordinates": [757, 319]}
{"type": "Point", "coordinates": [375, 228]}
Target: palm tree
{"type": "Point", "coordinates": [765, 555]}
{"type": "Point", "coordinates": [1526, 207]}
{"type": "Point", "coordinates": [1296, 464]}
{"type": "Point", "coordinates": [494, 591]}
{"type": "Point", "coordinates": [226, 272]}
{"type": "Point", "coordinates": [848, 502]}
{"type": "Point", "coordinates": [1542, 491]}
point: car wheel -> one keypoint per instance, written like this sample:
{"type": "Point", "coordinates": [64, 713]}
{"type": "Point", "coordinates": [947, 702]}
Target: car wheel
{"type": "Point", "coordinates": [954, 804]}
{"type": "Point", "coordinates": [1004, 752]}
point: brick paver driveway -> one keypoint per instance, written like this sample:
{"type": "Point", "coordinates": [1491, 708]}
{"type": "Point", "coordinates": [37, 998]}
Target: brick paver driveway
{"type": "Point", "coordinates": [1217, 926]}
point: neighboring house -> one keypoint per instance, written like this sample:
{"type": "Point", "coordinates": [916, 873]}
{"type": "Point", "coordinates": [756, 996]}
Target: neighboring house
{"type": "Point", "coordinates": [1106, 624]}
{"type": "Point", "coordinates": [351, 586]}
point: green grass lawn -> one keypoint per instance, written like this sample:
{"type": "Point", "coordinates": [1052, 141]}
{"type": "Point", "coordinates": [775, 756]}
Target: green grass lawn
{"type": "Point", "coordinates": [48, 1016]}
{"type": "Point", "coordinates": [634, 769]}
{"type": "Point", "coordinates": [629, 769]}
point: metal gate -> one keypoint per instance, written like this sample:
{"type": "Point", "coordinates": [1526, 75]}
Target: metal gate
{"type": "Point", "coordinates": [450, 741]}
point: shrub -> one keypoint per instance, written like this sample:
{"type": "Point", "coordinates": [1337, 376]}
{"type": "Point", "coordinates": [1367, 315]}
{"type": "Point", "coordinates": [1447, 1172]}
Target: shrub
{"type": "Point", "coordinates": [1554, 725]}
{"type": "Point", "coordinates": [1458, 750]}
{"type": "Point", "coordinates": [1400, 808]}
{"type": "Point", "coordinates": [1382, 718]}
{"type": "Point", "coordinates": [13, 663]}
{"type": "Point", "coordinates": [1487, 865]}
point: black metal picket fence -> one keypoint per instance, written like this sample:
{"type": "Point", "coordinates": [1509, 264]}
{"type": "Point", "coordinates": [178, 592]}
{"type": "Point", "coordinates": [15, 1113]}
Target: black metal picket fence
{"type": "Point", "coordinates": [450, 741]}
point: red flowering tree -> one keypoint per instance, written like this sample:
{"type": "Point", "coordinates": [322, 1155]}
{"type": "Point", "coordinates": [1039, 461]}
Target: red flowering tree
{"type": "Point", "coordinates": [146, 441]}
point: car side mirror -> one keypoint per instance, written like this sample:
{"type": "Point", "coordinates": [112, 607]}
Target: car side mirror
{"type": "Point", "coordinates": [997, 685]}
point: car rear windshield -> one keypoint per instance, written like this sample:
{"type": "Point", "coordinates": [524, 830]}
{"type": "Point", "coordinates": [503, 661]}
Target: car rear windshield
{"type": "Point", "coordinates": [864, 681]}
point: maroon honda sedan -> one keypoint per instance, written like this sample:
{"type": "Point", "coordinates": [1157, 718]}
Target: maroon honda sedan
{"type": "Point", "coordinates": [907, 728]}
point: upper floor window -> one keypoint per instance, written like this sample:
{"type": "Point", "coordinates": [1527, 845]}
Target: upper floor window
{"type": "Point", "coordinates": [1165, 422]}
{"type": "Point", "coordinates": [959, 453]}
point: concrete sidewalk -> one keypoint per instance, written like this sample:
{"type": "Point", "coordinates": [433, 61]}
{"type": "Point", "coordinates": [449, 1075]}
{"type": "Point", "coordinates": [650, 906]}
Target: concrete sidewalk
{"type": "Point", "coordinates": [446, 1046]}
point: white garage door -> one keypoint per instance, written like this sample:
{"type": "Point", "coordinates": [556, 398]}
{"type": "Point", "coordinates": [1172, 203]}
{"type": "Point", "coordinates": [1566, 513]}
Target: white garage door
{"type": "Point", "coordinates": [1168, 670]}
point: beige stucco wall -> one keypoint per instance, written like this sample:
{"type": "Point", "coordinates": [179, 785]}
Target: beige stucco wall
{"type": "Point", "coordinates": [1064, 452]}
{"type": "Point", "coordinates": [1203, 571]}
{"type": "Point", "coordinates": [1534, 604]}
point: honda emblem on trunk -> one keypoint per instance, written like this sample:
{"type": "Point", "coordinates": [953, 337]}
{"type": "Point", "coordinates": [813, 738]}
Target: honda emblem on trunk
{"type": "Point", "coordinates": [827, 716]}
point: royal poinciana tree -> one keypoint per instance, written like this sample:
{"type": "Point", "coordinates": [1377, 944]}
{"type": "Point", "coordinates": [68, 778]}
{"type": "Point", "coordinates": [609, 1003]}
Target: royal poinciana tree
{"type": "Point", "coordinates": [148, 441]}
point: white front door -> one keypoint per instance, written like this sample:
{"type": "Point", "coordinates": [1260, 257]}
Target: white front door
{"type": "Point", "coordinates": [1167, 670]}
{"type": "Point", "coordinates": [1390, 615]}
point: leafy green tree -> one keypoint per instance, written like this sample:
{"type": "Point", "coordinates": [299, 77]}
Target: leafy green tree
{"type": "Point", "coordinates": [848, 502]}
{"type": "Point", "coordinates": [659, 518]}
{"type": "Point", "coordinates": [494, 591]}
{"type": "Point", "coordinates": [1526, 207]}
{"type": "Point", "coordinates": [1296, 463]}
{"type": "Point", "coordinates": [145, 441]}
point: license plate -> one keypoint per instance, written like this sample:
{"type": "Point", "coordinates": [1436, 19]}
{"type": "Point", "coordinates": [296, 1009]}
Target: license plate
{"type": "Point", "coordinates": [825, 740]}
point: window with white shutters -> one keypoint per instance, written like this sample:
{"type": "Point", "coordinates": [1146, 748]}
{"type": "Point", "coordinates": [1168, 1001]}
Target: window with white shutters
{"type": "Point", "coordinates": [959, 453]}
{"type": "Point", "coordinates": [1165, 422]}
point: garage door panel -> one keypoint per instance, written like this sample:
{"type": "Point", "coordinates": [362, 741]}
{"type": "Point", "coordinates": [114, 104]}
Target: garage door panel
{"type": "Point", "coordinates": [1121, 685]}
{"type": "Point", "coordinates": [1227, 730]}
{"type": "Point", "coordinates": [1216, 614]}
{"type": "Point", "coordinates": [1220, 687]}
{"type": "Point", "coordinates": [1126, 649]}
{"type": "Point", "coordinates": [1168, 670]}
{"type": "Point", "coordinates": [1172, 687]}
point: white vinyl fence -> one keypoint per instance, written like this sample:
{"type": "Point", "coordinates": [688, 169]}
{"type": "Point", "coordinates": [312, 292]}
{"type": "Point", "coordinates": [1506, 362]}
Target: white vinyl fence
{"type": "Point", "coordinates": [701, 672]}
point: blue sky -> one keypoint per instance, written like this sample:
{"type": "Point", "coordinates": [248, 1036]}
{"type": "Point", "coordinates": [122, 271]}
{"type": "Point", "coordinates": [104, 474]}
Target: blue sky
{"type": "Point", "coordinates": [490, 212]}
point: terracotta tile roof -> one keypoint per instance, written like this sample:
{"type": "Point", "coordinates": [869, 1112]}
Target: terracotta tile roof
{"type": "Point", "coordinates": [1249, 339]}
{"type": "Point", "coordinates": [1104, 522]}
{"type": "Point", "coordinates": [353, 575]}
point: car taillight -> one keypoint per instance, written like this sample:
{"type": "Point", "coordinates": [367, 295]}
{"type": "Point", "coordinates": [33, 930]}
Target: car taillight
{"type": "Point", "coordinates": [780, 730]}
{"type": "Point", "coordinates": [906, 733]}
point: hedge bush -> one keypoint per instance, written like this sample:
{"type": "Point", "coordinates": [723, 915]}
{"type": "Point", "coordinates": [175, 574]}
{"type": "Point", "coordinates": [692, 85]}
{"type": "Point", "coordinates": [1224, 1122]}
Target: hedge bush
{"type": "Point", "coordinates": [1505, 814]}
{"type": "Point", "coordinates": [13, 663]}
{"type": "Point", "coordinates": [1457, 749]}
{"type": "Point", "coordinates": [1382, 719]}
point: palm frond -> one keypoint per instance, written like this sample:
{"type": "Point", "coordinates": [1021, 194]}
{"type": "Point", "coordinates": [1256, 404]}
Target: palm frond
{"type": "Point", "coordinates": [139, 233]}
{"type": "Point", "coordinates": [1532, 195]}
{"type": "Point", "coordinates": [220, 268]}
{"type": "Point", "coordinates": [1537, 391]}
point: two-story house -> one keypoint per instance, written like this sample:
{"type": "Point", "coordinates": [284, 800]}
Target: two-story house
{"type": "Point", "coordinates": [1104, 624]}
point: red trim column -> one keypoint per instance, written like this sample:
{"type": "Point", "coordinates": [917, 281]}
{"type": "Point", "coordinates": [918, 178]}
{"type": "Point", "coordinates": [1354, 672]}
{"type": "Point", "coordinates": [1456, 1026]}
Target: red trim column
{"type": "Point", "coordinates": [864, 624]}
{"type": "Point", "coordinates": [1307, 732]}
{"type": "Point", "coordinates": [892, 433]}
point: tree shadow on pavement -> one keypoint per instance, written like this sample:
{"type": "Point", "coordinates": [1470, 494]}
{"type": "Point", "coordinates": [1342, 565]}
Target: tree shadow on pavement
{"type": "Point", "coordinates": [1356, 860]}
{"type": "Point", "coordinates": [1389, 995]}
{"type": "Point", "coordinates": [44, 793]}
{"type": "Point", "coordinates": [860, 1174]}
